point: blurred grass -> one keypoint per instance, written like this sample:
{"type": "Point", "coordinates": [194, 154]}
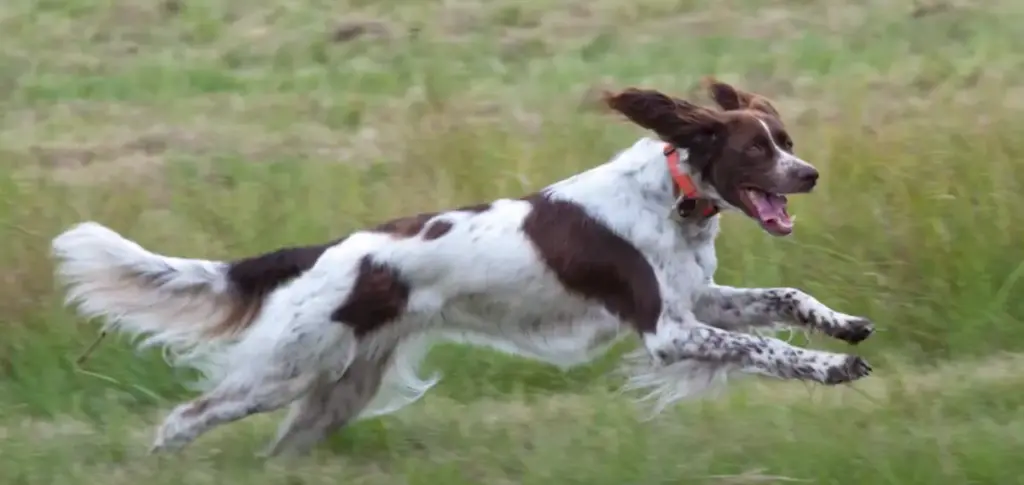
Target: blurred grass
{"type": "Point", "coordinates": [224, 128]}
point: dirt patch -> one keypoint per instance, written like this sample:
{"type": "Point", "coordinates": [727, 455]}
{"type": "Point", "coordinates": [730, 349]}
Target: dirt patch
{"type": "Point", "coordinates": [120, 155]}
{"type": "Point", "coordinates": [60, 427]}
{"type": "Point", "coordinates": [353, 29]}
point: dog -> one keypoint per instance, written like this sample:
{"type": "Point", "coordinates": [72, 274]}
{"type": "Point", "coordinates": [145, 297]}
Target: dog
{"type": "Point", "coordinates": [335, 331]}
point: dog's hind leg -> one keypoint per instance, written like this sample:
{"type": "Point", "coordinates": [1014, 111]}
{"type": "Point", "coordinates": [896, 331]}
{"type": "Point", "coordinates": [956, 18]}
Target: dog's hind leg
{"type": "Point", "coordinates": [260, 384]}
{"type": "Point", "coordinates": [372, 385]}
{"type": "Point", "coordinates": [329, 405]}
{"type": "Point", "coordinates": [225, 404]}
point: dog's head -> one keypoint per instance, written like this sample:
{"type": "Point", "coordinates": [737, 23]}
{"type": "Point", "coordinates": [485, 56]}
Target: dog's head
{"type": "Point", "coordinates": [741, 153]}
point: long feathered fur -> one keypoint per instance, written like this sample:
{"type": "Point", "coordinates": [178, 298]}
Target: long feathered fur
{"type": "Point", "coordinates": [185, 306]}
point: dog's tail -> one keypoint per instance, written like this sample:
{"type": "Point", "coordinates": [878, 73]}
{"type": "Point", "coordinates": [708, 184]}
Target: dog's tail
{"type": "Point", "coordinates": [190, 307]}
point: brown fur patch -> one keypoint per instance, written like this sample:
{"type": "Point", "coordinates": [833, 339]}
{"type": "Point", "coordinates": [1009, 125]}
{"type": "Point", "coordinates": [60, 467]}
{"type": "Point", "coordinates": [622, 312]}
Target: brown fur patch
{"type": "Point", "coordinates": [436, 230]}
{"type": "Point", "coordinates": [674, 120]}
{"type": "Point", "coordinates": [252, 279]}
{"type": "Point", "coordinates": [731, 98]}
{"type": "Point", "coordinates": [405, 226]}
{"type": "Point", "coordinates": [378, 297]}
{"type": "Point", "coordinates": [411, 226]}
{"type": "Point", "coordinates": [594, 262]}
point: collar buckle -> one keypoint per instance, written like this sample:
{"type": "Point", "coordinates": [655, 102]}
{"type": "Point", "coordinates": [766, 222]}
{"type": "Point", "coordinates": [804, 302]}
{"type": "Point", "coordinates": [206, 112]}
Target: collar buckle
{"type": "Point", "coordinates": [689, 204]}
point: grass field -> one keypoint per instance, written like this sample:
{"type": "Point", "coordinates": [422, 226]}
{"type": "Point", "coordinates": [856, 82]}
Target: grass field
{"type": "Point", "coordinates": [224, 128]}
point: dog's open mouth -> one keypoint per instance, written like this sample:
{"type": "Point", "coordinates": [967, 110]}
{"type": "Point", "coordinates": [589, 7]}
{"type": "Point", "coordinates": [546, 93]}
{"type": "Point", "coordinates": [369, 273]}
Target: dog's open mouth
{"type": "Point", "coordinates": [769, 209]}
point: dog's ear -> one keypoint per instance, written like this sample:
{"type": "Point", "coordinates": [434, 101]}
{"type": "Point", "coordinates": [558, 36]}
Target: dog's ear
{"type": "Point", "coordinates": [677, 121]}
{"type": "Point", "coordinates": [731, 98]}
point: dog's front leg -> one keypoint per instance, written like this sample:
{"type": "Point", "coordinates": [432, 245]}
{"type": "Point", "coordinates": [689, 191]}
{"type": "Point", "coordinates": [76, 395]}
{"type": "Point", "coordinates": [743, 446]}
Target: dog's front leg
{"type": "Point", "coordinates": [734, 308]}
{"type": "Point", "coordinates": [691, 340]}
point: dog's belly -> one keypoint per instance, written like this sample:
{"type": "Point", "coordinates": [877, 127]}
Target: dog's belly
{"type": "Point", "coordinates": [565, 332]}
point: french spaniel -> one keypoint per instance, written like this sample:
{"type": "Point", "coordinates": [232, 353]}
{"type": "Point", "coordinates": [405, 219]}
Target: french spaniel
{"type": "Point", "coordinates": [336, 330]}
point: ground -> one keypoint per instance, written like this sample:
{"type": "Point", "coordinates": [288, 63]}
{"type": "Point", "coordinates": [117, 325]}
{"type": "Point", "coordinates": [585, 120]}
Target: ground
{"type": "Point", "coordinates": [224, 128]}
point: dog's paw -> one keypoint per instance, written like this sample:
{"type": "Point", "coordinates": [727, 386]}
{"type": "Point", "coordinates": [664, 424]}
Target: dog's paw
{"type": "Point", "coordinates": [171, 436]}
{"type": "Point", "coordinates": [852, 330]}
{"type": "Point", "coordinates": [850, 369]}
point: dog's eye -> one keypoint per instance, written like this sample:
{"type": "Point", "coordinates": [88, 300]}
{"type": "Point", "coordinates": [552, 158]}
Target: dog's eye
{"type": "Point", "coordinates": [756, 150]}
{"type": "Point", "coordinates": [786, 143]}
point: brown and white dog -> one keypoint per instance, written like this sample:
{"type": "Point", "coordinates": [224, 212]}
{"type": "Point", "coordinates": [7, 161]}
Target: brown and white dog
{"type": "Point", "coordinates": [336, 330]}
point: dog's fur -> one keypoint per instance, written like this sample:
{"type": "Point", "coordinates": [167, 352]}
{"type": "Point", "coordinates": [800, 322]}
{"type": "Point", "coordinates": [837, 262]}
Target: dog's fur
{"type": "Point", "coordinates": [336, 330]}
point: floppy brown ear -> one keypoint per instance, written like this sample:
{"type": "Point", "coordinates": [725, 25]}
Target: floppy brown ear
{"type": "Point", "coordinates": [731, 98]}
{"type": "Point", "coordinates": [674, 120]}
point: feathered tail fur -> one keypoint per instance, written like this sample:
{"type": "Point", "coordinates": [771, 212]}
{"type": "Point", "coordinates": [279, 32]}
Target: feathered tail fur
{"type": "Point", "coordinates": [190, 307]}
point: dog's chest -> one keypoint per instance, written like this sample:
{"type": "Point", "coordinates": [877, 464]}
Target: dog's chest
{"type": "Point", "coordinates": [704, 263]}
{"type": "Point", "coordinates": [683, 257]}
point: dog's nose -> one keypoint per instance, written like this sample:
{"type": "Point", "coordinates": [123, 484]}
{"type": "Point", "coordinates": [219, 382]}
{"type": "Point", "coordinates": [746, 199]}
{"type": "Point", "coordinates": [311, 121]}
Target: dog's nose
{"type": "Point", "coordinates": [808, 175]}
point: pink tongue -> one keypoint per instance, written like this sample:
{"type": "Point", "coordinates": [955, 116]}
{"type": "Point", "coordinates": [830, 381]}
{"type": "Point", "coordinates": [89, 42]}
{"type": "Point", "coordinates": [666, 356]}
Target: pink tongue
{"type": "Point", "coordinates": [771, 211]}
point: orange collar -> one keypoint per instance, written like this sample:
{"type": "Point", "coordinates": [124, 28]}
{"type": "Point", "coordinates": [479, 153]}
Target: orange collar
{"type": "Point", "coordinates": [690, 201]}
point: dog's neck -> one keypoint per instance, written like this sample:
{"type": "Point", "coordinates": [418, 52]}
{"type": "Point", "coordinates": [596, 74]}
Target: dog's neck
{"type": "Point", "coordinates": [647, 164]}
{"type": "Point", "coordinates": [636, 185]}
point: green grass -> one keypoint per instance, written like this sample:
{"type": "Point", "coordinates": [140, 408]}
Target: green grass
{"type": "Point", "coordinates": [225, 128]}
